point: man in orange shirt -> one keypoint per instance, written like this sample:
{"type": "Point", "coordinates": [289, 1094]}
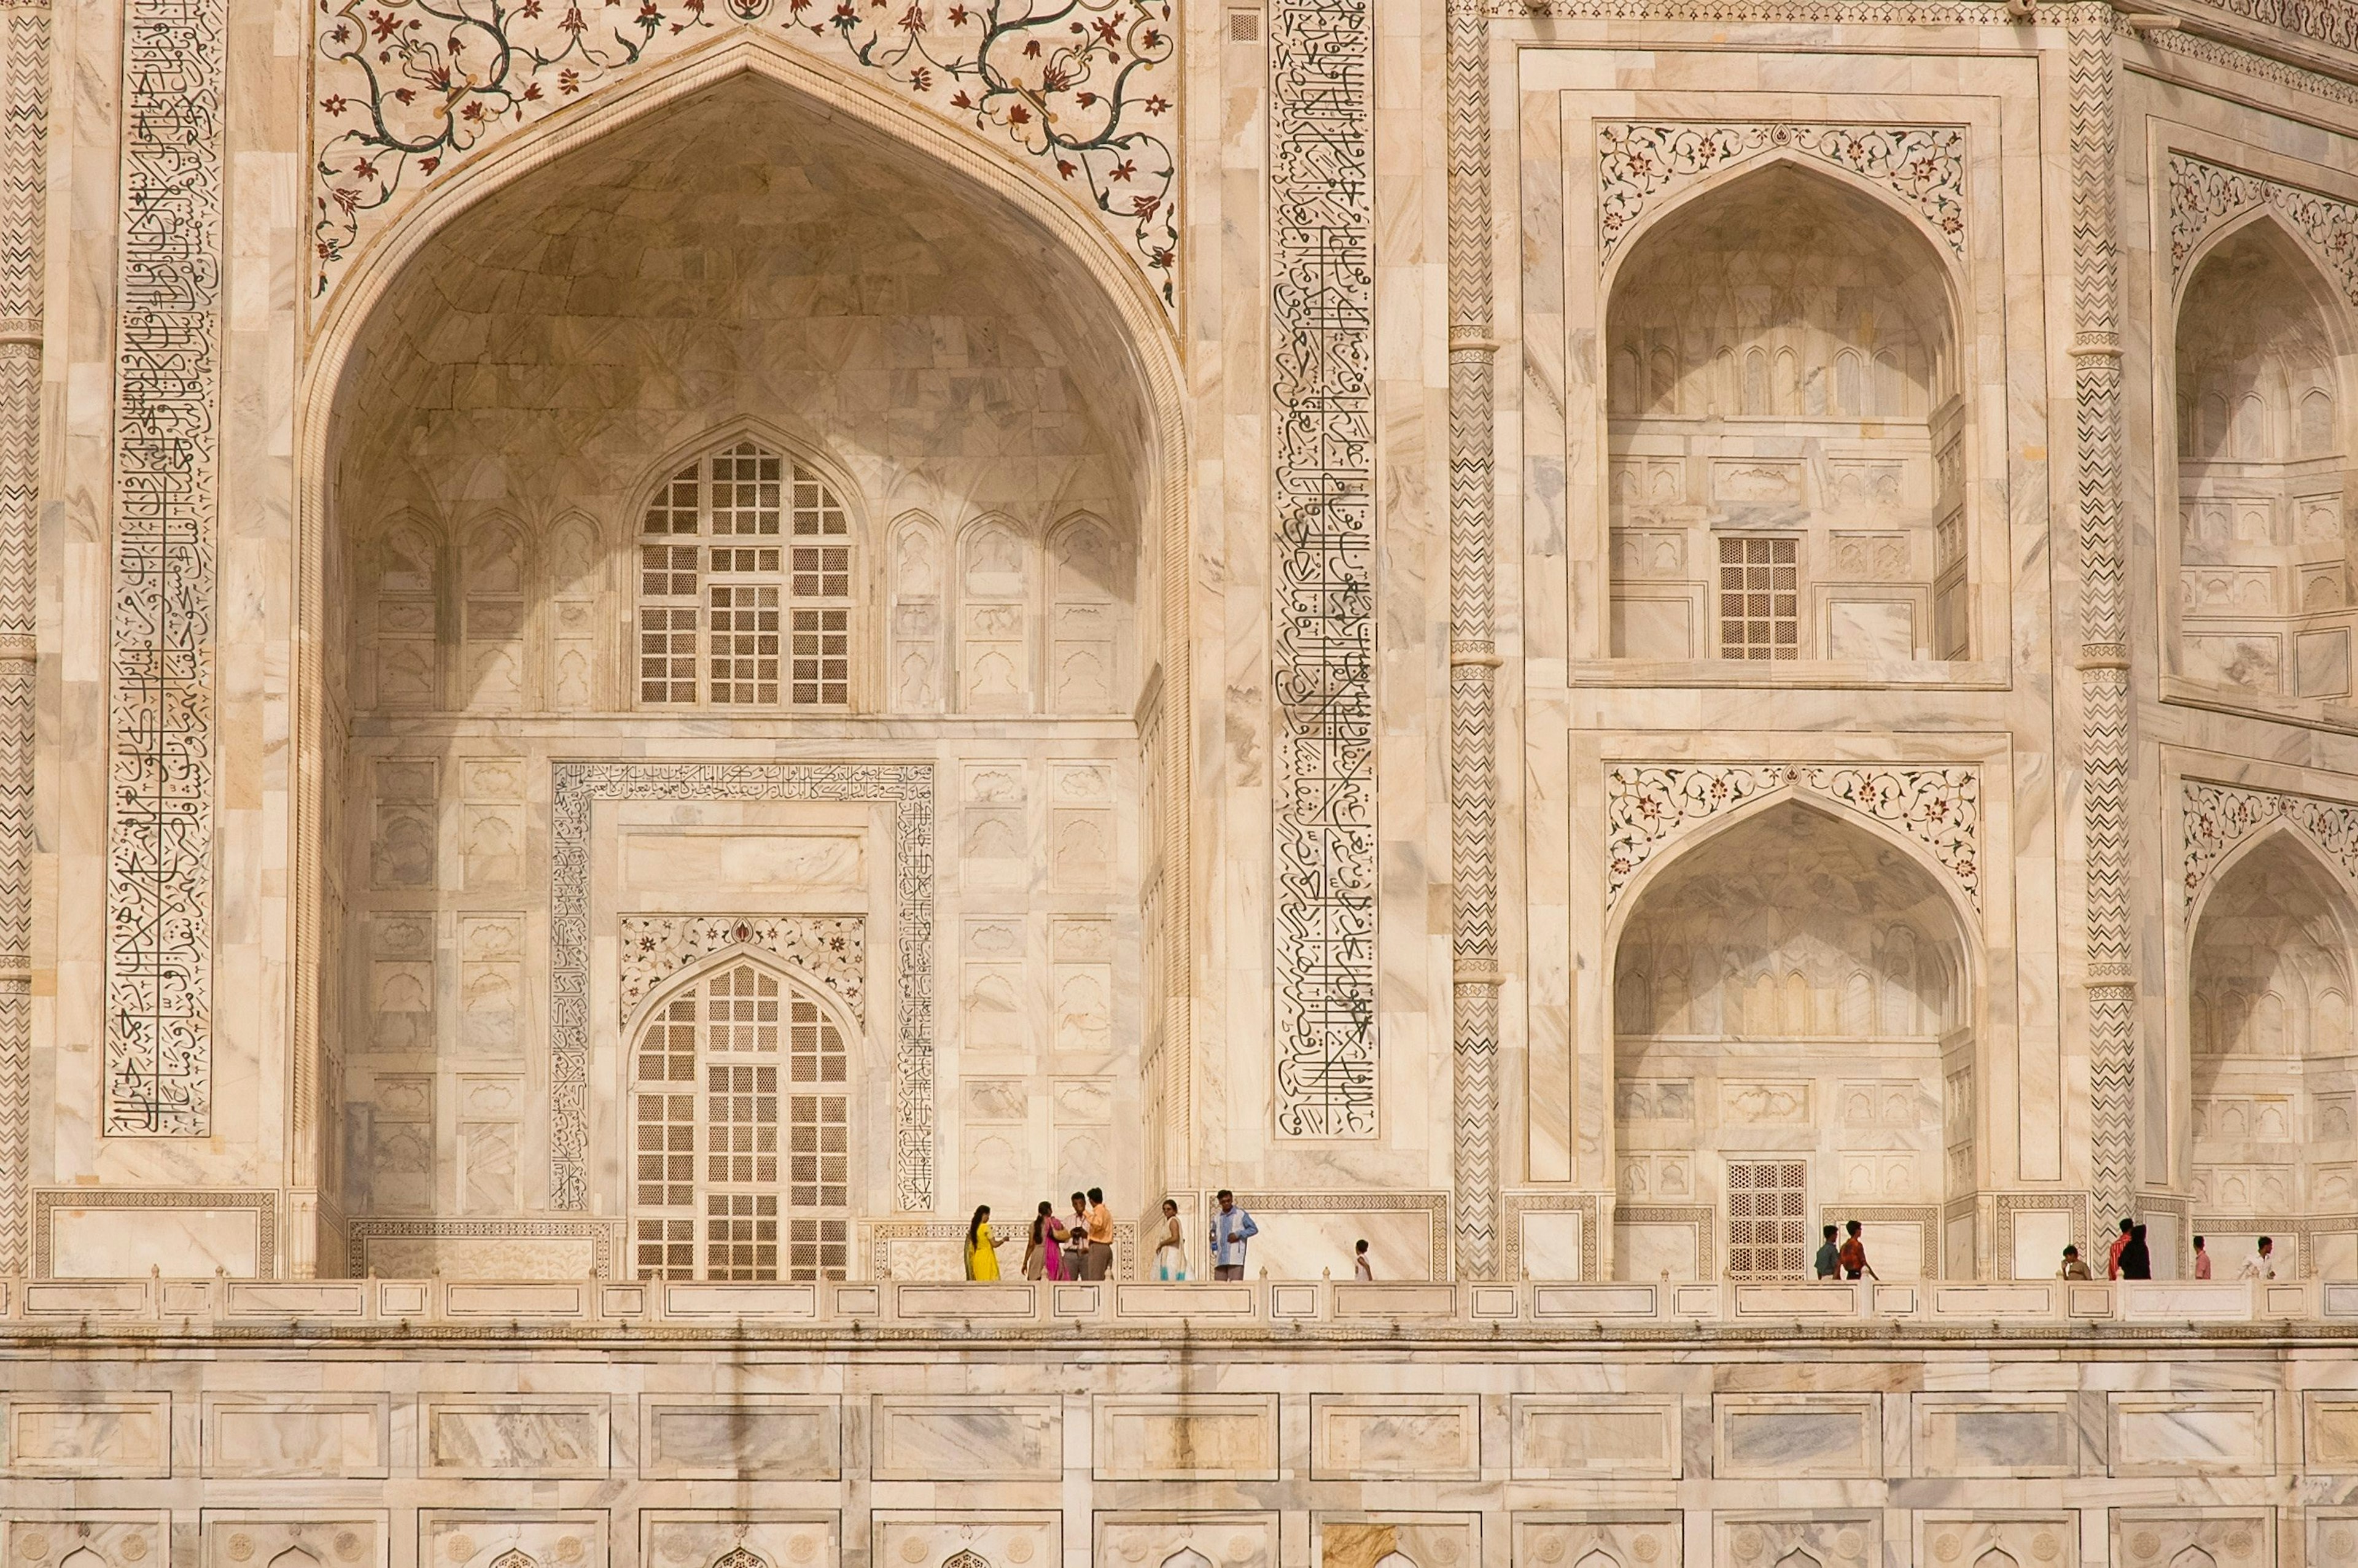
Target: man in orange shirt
{"type": "Point", "coordinates": [1101, 1236]}
{"type": "Point", "coordinates": [1853, 1256]}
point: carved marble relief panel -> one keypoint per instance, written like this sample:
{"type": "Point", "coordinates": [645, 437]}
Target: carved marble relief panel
{"type": "Point", "coordinates": [294, 1538]}
{"type": "Point", "coordinates": [89, 1538]}
{"type": "Point", "coordinates": [1614, 1541]}
{"type": "Point", "coordinates": [452, 1538]}
{"type": "Point", "coordinates": [1187, 1541]}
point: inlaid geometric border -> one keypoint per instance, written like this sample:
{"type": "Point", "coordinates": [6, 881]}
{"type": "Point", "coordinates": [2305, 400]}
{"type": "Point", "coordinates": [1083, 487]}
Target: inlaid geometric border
{"type": "Point", "coordinates": [1512, 1206]}
{"type": "Point", "coordinates": [1925, 1217]}
{"type": "Point", "coordinates": [600, 1233]}
{"type": "Point", "coordinates": [1702, 1217]}
{"type": "Point", "coordinates": [2074, 1205]}
{"type": "Point", "coordinates": [576, 786]}
{"type": "Point", "coordinates": [263, 1205]}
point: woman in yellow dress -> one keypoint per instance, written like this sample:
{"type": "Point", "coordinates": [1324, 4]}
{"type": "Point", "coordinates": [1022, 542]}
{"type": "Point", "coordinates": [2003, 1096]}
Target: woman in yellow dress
{"type": "Point", "coordinates": [981, 1256]}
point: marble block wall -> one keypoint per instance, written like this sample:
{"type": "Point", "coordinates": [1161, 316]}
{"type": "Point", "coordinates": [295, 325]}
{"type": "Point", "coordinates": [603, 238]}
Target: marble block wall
{"type": "Point", "coordinates": [699, 1451]}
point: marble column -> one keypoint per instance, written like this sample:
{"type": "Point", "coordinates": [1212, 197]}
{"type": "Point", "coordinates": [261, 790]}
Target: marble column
{"type": "Point", "coordinates": [2103, 646]}
{"type": "Point", "coordinates": [1473, 654]}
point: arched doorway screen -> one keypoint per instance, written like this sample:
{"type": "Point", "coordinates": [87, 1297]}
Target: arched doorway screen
{"type": "Point", "coordinates": [741, 1130]}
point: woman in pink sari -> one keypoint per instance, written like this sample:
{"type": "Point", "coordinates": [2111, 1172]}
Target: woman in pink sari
{"type": "Point", "coordinates": [1044, 1258]}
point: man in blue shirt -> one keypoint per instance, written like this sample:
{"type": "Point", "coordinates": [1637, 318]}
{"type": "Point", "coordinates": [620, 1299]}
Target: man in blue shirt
{"type": "Point", "coordinates": [1231, 1228]}
{"type": "Point", "coordinates": [1828, 1264]}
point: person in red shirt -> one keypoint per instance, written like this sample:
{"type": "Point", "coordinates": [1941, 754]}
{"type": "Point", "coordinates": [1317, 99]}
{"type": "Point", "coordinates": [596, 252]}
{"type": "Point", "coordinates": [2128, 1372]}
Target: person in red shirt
{"type": "Point", "coordinates": [2113, 1258]}
{"type": "Point", "coordinates": [1853, 1256]}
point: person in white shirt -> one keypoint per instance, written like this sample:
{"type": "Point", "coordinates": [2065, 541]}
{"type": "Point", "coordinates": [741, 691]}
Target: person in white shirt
{"type": "Point", "coordinates": [1360, 1267]}
{"type": "Point", "coordinates": [2261, 1264]}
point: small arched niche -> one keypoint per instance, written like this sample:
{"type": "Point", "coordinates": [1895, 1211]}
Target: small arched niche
{"type": "Point", "coordinates": [2272, 1087]}
{"type": "Point", "coordinates": [2265, 585]}
{"type": "Point", "coordinates": [1786, 425]}
{"type": "Point", "coordinates": [1792, 1014]}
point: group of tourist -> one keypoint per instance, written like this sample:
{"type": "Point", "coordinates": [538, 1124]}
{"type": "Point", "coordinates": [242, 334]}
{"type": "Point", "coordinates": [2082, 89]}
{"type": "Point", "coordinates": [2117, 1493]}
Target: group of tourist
{"type": "Point", "coordinates": [1846, 1259]}
{"type": "Point", "coordinates": [2130, 1259]}
{"type": "Point", "coordinates": [1079, 1245]}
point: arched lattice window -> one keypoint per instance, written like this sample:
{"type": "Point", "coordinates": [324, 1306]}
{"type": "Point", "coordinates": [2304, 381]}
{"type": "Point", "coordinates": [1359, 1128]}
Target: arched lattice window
{"type": "Point", "coordinates": [740, 1103]}
{"type": "Point", "coordinates": [744, 586]}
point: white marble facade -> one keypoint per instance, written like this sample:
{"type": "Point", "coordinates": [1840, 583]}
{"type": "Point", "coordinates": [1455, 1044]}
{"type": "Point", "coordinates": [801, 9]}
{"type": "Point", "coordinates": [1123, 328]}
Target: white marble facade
{"type": "Point", "coordinates": [768, 516]}
{"type": "Point", "coordinates": [654, 651]}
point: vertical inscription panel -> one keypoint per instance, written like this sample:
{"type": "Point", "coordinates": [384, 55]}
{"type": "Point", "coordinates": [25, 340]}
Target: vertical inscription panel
{"type": "Point", "coordinates": [1322, 338]}
{"type": "Point", "coordinates": [166, 389]}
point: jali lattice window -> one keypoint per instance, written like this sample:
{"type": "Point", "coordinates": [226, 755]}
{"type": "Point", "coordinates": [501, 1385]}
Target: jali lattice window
{"type": "Point", "coordinates": [743, 1163]}
{"type": "Point", "coordinates": [1759, 599]}
{"type": "Point", "coordinates": [745, 587]}
{"type": "Point", "coordinates": [1768, 1222]}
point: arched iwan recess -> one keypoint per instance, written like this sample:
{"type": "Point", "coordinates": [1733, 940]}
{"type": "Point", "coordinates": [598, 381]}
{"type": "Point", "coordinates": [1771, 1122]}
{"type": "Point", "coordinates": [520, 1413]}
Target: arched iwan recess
{"type": "Point", "coordinates": [2265, 605]}
{"type": "Point", "coordinates": [1793, 1013]}
{"type": "Point", "coordinates": [1786, 432]}
{"type": "Point", "coordinates": [744, 273]}
{"type": "Point", "coordinates": [2271, 979]}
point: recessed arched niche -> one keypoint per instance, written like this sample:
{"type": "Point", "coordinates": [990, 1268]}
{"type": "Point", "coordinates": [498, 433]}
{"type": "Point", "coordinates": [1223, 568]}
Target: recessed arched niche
{"type": "Point", "coordinates": [1794, 1041]}
{"type": "Point", "coordinates": [2264, 602]}
{"type": "Point", "coordinates": [2271, 975]}
{"type": "Point", "coordinates": [1786, 424]}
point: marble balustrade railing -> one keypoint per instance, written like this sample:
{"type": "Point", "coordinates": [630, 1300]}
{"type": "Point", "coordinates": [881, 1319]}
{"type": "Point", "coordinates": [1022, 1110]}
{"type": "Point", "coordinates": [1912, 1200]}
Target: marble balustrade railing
{"type": "Point", "coordinates": [1538, 1309]}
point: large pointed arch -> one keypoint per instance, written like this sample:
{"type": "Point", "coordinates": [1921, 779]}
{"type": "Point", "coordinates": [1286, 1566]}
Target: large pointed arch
{"type": "Point", "coordinates": [2330, 301]}
{"type": "Point", "coordinates": [1073, 260]}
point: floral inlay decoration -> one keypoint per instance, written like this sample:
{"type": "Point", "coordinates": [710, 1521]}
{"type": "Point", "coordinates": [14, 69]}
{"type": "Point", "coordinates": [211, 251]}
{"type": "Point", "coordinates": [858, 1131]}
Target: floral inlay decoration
{"type": "Point", "coordinates": [1083, 90]}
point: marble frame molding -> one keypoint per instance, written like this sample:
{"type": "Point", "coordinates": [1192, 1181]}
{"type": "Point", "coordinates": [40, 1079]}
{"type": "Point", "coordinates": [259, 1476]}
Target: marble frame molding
{"type": "Point", "coordinates": [263, 1205]}
{"type": "Point", "coordinates": [1512, 1206]}
{"type": "Point", "coordinates": [574, 788]}
{"type": "Point", "coordinates": [338, 332]}
{"type": "Point", "coordinates": [1997, 191]}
